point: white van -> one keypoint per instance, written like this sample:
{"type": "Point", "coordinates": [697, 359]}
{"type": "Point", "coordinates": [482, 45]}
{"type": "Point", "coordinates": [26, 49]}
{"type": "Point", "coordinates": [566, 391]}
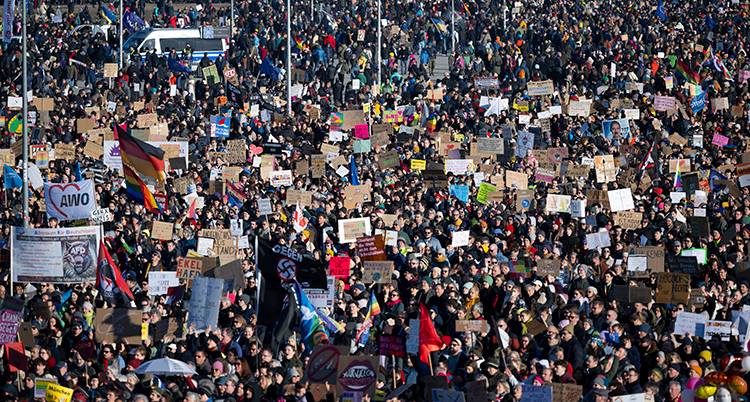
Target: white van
{"type": "Point", "coordinates": [164, 40]}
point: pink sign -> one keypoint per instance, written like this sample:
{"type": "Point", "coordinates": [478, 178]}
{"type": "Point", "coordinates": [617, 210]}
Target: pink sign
{"type": "Point", "coordinates": [362, 131]}
{"type": "Point", "coordinates": [720, 140]}
{"type": "Point", "coordinates": [744, 75]}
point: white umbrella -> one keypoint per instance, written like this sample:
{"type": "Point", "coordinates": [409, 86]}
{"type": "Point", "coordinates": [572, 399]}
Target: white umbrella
{"type": "Point", "coordinates": [165, 366]}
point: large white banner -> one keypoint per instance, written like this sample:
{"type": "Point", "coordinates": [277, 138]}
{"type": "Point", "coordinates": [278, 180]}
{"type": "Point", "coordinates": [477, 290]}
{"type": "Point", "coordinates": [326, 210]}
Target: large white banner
{"type": "Point", "coordinates": [8, 8]}
{"type": "Point", "coordinates": [63, 255]}
{"type": "Point", "coordinates": [70, 201]}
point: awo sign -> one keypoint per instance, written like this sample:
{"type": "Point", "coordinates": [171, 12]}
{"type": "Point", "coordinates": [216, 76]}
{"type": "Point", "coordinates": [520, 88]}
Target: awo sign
{"type": "Point", "coordinates": [70, 201]}
{"type": "Point", "coordinates": [357, 374]}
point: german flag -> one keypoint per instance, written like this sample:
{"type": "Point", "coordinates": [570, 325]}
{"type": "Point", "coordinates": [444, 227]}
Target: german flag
{"type": "Point", "coordinates": [145, 158]}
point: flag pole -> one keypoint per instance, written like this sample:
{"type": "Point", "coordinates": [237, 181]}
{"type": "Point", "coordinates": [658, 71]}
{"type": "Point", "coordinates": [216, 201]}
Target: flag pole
{"type": "Point", "coordinates": [120, 55]}
{"type": "Point", "coordinates": [25, 188]}
{"type": "Point", "coordinates": [288, 57]}
{"type": "Point", "coordinates": [378, 57]}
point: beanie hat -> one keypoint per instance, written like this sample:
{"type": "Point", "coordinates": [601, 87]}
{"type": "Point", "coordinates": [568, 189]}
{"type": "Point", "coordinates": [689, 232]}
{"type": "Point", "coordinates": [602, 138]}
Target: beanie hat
{"type": "Point", "coordinates": [706, 355]}
{"type": "Point", "coordinates": [658, 374]}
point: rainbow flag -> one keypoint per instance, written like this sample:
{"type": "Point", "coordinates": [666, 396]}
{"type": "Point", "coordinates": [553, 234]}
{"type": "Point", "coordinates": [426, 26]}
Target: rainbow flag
{"type": "Point", "coordinates": [430, 123]}
{"type": "Point", "coordinates": [332, 325]}
{"type": "Point", "coordinates": [686, 73]}
{"type": "Point", "coordinates": [298, 45]}
{"type": "Point", "coordinates": [138, 192]}
{"type": "Point", "coordinates": [312, 330]}
{"type": "Point", "coordinates": [374, 309]}
{"type": "Point", "coordinates": [191, 210]}
{"type": "Point", "coordinates": [678, 177]}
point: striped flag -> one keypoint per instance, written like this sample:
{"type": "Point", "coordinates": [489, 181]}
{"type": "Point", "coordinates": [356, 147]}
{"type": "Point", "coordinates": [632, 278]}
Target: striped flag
{"type": "Point", "coordinates": [138, 192]}
{"type": "Point", "coordinates": [374, 309]}
{"type": "Point", "coordinates": [145, 158]}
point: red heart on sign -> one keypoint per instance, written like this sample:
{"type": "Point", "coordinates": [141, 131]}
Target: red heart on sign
{"type": "Point", "coordinates": [450, 146]}
{"type": "Point", "coordinates": [256, 150]}
{"type": "Point", "coordinates": [62, 188]}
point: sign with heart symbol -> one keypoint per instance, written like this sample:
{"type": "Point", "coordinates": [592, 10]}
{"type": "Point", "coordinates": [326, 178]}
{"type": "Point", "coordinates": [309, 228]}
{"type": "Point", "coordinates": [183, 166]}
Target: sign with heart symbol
{"type": "Point", "coordinates": [256, 150]}
{"type": "Point", "coordinates": [70, 201]}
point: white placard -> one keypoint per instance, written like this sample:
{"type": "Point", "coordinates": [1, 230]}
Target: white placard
{"type": "Point", "coordinates": [205, 244]}
{"type": "Point", "coordinates": [600, 239]}
{"type": "Point", "coordinates": [160, 282]}
{"type": "Point", "coordinates": [264, 206]}
{"type": "Point", "coordinates": [637, 263]}
{"type": "Point", "coordinates": [460, 238]}
{"type": "Point", "coordinates": [692, 323]}
{"type": "Point", "coordinates": [621, 200]}
{"type": "Point", "coordinates": [101, 215]}
{"type": "Point", "coordinates": [578, 208]}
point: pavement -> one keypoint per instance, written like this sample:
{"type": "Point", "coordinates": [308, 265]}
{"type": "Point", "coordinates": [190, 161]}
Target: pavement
{"type": "Point", "coordinates": [441, 67]}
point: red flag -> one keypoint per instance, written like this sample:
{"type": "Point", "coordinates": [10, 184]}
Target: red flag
{"type": "Point", "coordinates": [429, 341]}
{"type": "Point", "coordinates": [109, 280]}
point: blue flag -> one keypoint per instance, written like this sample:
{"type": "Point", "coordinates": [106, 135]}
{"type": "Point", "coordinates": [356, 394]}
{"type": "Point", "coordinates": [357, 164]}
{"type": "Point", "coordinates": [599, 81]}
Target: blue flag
{"type": "Point", "coordinates": [78, 171]}
{"type": "Point", "coordinates": [355, 175]}
{"type": "Point", "coordinates": [710, 23]}
{"type": "Point", "coordinates": [269, 69]}
{"type": "Point", "coordinates": [660, 13]}
{"type": "Point", "coordinates": [12, 179]}
{"type": "Point", "coordinates": [698, 102]}
{"type": "Point", "coordinates": [133, 22]}
{"type": "Point", "coordinates": [175, 66]}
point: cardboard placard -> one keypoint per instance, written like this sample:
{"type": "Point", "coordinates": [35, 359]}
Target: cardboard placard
{"type": "Point", "coordinates": [471, 326]}
{"type": "Point", "coordinates": [377, 271]}
{"type": "Point", "coordinates": [630, 294]}
{"type": "Point", "coordinates": [110, 70]}
{"type": "Point", "coordinates": [548, 267]}
{"type": "Point", "coordinates": [116, 325]}
{"type": "Point", "coordinates": [354, 371]}
{"type": "Point", "coordinates": [147, 120]}
{"type": "Point", "coordinates": [672, 288]}
{"type": "Point", "coordinates": [294, 196]}
{"type": "Point", "coordinates": [93, 150]}
{"type": "Point", "coordinates": [162, 230]}
{"type": "Point", "coordinates": [84, 125]}
{"type": "Point", "coordinates": [628, 220]}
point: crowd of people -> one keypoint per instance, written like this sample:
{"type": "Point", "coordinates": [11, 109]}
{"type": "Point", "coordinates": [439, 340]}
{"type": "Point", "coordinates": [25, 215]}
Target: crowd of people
{"type": "Point", "coordinates": [543, 260]}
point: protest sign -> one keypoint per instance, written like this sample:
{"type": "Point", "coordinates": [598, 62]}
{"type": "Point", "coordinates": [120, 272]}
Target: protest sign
{"type": "Point", "coordinates": [160, 282]}
{"type": "Point", "coordinates": [377, 271]}
{"type": "Point", "coordinates": [204, 302]}
{"type": "Point", "coordinates": [471, 326]}
{"type": "Point", "coordinates": [371, 248]}
{"type": "Point", "coordinates": [672, 288]}
{"type": "Point", "coordinates": [339, 267]}
{"type": "Point", "coordinates": [548, 267]}
{"type": "Point", "coordinates": [350, 229]}
{"type": "Point", "coordinates": [324, 361]}
{"type": "Point", "coordinates": [162, 230]}
{"type": "Point", "coordinates": [682, 264]}
{"type": "Point", "coordinates": [357, 374]}
{"type": "Point", "coordinates": [540, 87]}
{"type": "Point", "coordinates": [720, 328]}
{"type": "Point", "coordinates": [231, 271]}
{"type": "Point", "coordinates": [692, 323]}
{"type": "Point", "coordinates": [630, 294]}
{"type": "Point", "coordinates": [628, 220]}
{"type": "Point", "coordinates": [10, 319]}
{"type": "Point", "coordinates": [392, 345]}
{"type": "Point", "coordinates": [536, 393]}
{"type": "Point", "coordinates": [70, 201]}
{"type": "Point", "coordinates": [117, 325]}
{"type": "Point", "coordinates": [494, 146]}
{"type": "Point", "coordinates": [58, 393]}
{"type": "Point", "coordinates": [47, 256]}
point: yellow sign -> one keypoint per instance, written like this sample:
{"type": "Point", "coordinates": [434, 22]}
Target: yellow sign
{"type": "Point", "coordinates": [459, 137]}
{"type": "Point", "coordinates": [57, 393]}
{"type": "Point", "coordinates": [418, 164]}
{"type": "Point", "coordinates": [144, 332]}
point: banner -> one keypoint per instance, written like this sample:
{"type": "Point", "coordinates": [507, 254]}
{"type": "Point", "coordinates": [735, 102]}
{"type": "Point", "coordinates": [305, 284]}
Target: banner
{"type": "Point", "coordinates": [66, 255]}
{"type": "Point", "coordinates": [8, 8]}
{"type": "Point", "coordinates": [70, 201]}
{"type": "Point", "coordinates": [281, 265]}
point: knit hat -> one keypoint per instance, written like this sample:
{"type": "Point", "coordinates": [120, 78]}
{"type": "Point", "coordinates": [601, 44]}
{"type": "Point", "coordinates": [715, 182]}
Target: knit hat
{"type": "Point", "coordinates": [427, 279]}
{"type": "Point", "coordinates": [697, 370]}
{"type": "Point", "coordinates": [135, 363]}
{"type": "Point", "coordinates": [218, 365]}
{"type": "Point", "coordinates": [657, 373]}
{"type": "Point", "coordinates": [706, 355]}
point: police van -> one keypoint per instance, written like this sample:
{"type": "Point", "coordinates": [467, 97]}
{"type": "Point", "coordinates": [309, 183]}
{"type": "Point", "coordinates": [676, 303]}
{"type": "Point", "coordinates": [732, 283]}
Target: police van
{"type": "Point", "coordinates": [164, 40]}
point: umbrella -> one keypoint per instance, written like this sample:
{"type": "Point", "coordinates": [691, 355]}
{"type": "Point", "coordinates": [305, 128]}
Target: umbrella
{"type": "Point", "coordinates": [165, 366]}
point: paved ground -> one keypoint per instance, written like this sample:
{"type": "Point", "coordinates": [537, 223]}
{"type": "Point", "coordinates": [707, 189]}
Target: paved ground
{"type": "Point", "coordinates": [441, 67]}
